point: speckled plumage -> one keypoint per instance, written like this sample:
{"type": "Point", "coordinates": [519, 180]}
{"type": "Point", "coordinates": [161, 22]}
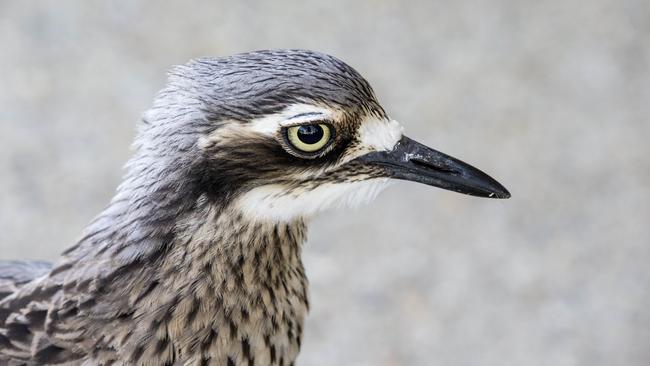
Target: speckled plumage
{"type": "Point", "coordinates": [172, 272]}
{"type": "Point", "coordinates": [196, 260]}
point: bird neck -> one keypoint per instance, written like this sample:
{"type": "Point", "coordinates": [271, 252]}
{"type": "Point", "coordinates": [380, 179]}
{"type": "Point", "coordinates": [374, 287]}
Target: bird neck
{"type": "Point", "coordinates": [242, 288]}
{"type": "Point", "coordinates": [192, 276]}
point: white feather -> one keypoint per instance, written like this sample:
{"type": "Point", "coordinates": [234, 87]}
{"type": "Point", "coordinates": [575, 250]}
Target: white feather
{"type": "Point", "coordinates": [380, 134]}
{"type": "Point", "coordinates": [278, 203]}
{"type": "Point", "coordinates": [293, 114]}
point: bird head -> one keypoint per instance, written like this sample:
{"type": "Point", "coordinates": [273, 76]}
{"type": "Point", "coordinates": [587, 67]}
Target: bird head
{"type": "Point", "coordinates": [285, 134]}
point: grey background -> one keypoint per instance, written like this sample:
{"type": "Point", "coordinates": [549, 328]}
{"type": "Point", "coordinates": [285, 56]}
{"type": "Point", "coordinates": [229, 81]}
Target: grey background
{"type": "Point", "coordinates": [550, 97]}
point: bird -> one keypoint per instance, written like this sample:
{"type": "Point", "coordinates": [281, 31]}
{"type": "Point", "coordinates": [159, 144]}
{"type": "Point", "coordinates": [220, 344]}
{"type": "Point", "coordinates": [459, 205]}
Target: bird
{"type": "Point", "coordinates": [196, 260]}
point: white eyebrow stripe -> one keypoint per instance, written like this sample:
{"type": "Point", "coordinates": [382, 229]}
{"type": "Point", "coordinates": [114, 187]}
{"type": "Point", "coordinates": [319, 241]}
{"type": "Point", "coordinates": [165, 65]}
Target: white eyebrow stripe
{"type": "Point", "coordinates": [297, 120]}
{"type": "Point", "coordinates": [292, 115]}
{"type": "Point", "coordinates": [308, 114]}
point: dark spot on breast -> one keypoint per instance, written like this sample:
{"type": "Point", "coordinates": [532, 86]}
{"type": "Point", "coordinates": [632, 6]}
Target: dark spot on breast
{"type": "Point", "coordinates": [137, 353]}
{"type": "Point", "coordinates": [193, 311]}
{"type": "Point", "coordinates": [246, 350]}
{"type": "Point", "coordinates": [272, 351]}
{"type": "Point", "coordinates": [233, 329]}
{"type": "Point", "coordinates": [126, 337]}
{"type": "Point", "coordinates": [147, 291]}
{"type": "Point", "coordinates": [274, 323]}
{"type": "Point", "coordinates": [161, 345]}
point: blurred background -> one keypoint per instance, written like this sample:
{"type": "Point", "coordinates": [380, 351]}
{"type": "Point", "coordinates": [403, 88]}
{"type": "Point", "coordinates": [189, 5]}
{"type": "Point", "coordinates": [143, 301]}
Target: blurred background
{"type": "Point", "coordinates": [550, 97]}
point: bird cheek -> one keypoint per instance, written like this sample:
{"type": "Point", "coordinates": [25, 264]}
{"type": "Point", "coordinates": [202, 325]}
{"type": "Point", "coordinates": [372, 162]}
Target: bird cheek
{"type": "Point", "coordinates": [355, 150]}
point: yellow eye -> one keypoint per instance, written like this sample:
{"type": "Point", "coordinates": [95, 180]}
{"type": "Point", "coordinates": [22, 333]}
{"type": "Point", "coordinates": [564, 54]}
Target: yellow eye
{"type": "Point", "coordinates": [309, 138]}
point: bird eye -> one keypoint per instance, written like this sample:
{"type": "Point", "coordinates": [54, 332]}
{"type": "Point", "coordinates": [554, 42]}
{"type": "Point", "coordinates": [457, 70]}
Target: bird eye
{"type": "Point", "coordinates": [309, 138]}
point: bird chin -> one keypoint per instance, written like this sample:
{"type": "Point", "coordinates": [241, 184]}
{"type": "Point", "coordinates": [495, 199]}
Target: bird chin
{"type": "Point", "coordinates": [280, 203]}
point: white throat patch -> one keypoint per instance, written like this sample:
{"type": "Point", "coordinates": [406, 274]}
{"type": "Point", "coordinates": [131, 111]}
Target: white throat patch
{"type": "Point", "coordinates": [280, 204]}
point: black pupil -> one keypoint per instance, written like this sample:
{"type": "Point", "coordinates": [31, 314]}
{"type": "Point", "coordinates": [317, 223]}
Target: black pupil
{"type": "Point", "coordinates": [310, 134]}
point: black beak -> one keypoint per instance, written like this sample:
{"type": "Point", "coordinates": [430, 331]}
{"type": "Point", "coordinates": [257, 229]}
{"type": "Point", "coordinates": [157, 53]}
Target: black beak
{"type": "Point", "coordinates": [410, 160]}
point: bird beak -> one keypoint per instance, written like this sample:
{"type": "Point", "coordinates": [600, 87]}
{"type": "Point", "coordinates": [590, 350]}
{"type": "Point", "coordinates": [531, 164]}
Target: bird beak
{"type": "Point", "coordinates": [410, 160]}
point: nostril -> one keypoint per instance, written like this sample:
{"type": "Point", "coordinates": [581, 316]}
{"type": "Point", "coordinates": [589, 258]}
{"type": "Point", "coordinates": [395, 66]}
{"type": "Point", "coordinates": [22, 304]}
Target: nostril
{"type": "Point", "coordinates": [440, 167]}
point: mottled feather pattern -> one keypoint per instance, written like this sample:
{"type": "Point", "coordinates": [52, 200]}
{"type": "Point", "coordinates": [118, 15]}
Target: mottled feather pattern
{"type": "Point", "coordinates": [14, 274]}
{"type": "Point", "coordinates": [173, 271]}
